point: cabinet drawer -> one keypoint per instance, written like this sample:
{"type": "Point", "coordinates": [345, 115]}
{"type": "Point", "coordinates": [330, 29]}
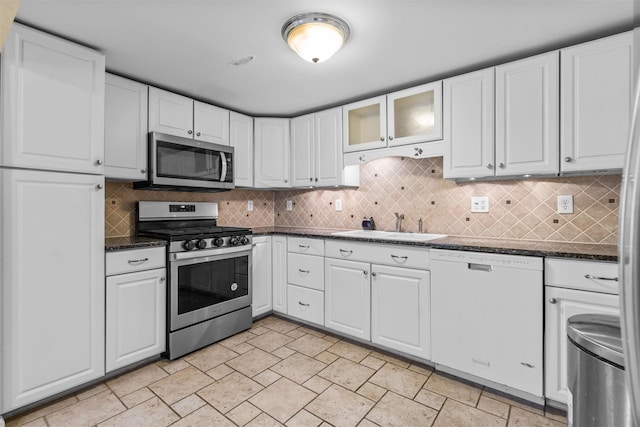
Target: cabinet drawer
{"type": "Point", "coordinates": [304, 245]}
{"type": "Point", "coordinates": [306, 271]}
{"type": "Point", "coordinates": [305, 304]}
{"type": "Point", "coordinates": [134, 260]}
{"type": "Point", "coordinates": [394, 255]}
{"type": "Point", "coordinates": [585, 275]}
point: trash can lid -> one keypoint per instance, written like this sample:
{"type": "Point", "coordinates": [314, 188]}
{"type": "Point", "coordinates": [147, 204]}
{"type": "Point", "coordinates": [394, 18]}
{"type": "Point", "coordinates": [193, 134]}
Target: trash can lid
{"type": "Point", "coordinates": [599, 334]}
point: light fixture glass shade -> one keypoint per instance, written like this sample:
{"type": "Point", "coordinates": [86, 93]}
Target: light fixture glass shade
{"type": "Point", "coordinates": [315, 37]}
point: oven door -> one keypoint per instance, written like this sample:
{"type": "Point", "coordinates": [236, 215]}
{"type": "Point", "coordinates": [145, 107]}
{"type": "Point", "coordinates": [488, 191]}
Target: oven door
{"type": "Point", "coordinates": [208, 283]}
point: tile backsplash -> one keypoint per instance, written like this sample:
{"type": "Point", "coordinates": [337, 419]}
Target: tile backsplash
{"type": "Point", "coordinates": [519, 209]}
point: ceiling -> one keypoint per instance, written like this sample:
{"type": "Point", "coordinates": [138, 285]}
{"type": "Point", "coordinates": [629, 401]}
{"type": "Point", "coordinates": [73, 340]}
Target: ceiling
{"type": "Point", "coordinates": [187, 46]}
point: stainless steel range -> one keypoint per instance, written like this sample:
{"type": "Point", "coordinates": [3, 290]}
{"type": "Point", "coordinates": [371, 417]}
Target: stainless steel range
{"type": "Point", "coordinates": [210, 283]}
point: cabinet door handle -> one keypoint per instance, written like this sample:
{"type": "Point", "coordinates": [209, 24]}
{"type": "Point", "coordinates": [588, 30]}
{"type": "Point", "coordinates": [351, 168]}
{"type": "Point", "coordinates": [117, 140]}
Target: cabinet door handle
{"type": "Point", "coordinates": [303, 304]}
{"type": "Point", "coordinates": [99, 186]}
{"type": "Point", "coordinates": [382, 138]}
{"type": "Point", "coordinates": [197, 133]}
{"type": "Point", "coordinates": [501, 165]}
{"type": "Point", "coordinates": [489, 166]}
{"type": "Point", "coordinates": [304, 271]}
{"type": "Point", "coordinates": [398, 257]}
{"type": "Point", "coordinates": [303, 246]}
{"type": "Point", "coordinates": [480, 267]}
{"type": "Point", "coordinates": [162, 279]}
{"type": "Point", "coordinates": [374, 274]}
{"type": "Point", "coordinates": [99, 162]}
{"type": "Point", "coordinates": [481, 362]}
{"type": "Point", "coordinates": [344, 251]}
{"type": "Point", "coordinates": [552, 300]}
{"type": "Point", "coordinates": [137, 261]}
{"type": "Point", "coordinates": [366, 273]}
{"type": "Point", "coordinates": [528, 365]}
{"type": "Point", "coordinates": [189, 131]}
{"type": "Point", "coordinates": [568, 159]}
{"type": "Point", "coordinates": [390, 138]}
{"type": "Point", "coordinates": [143, 171]}
{"type": "Point", "coordinates": [589, 276]}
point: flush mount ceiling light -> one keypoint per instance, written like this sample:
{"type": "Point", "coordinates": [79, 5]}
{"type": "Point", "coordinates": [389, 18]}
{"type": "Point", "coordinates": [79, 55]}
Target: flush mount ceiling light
{"type": "Point", "coordinates": [315, 36]}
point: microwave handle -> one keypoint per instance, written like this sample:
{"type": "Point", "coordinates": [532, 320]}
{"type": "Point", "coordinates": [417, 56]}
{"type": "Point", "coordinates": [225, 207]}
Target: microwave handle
{"type": "Point", "coordinates": [223, 172]}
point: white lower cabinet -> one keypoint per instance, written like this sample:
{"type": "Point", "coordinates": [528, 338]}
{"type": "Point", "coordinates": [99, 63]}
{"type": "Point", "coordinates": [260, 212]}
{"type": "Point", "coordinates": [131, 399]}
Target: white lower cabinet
{"type": "Point", "coordinates": [400, 305]}
{"type": "Point", "coordinates": [135, 322]}
{"type": "Point", "coordinates": [347, 291]}
{"type": "Point", "coordinates": [261, 269]}
{"type": "Point", "coordinates": [305, 279]}
{"type": "Point", "coordinates": [279, 276]}
{"type": "Point", "coordinates": [305, 304]}
{"type": "Point", "coordinates": [573, 287]}
{"type": "Point", "coordinates": [136, 295]}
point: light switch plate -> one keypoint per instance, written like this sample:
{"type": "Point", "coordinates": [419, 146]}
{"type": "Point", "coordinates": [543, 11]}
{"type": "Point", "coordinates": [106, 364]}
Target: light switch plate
{"type": "Point", "coordinates": [289, 205]}
{"type": "Point", "coordinates": [249, 205]}
{"type": "Point", "coordinates": [480, 204]}
{"type": "Point", "coordinates": [338, 205]}
{"type": "Point", "coordinates": [565, 204]}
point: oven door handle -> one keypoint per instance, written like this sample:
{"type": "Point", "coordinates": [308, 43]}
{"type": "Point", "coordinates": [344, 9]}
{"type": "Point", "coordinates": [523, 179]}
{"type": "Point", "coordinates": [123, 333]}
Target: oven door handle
{"type": "Point", "coordinates": [207, 253]}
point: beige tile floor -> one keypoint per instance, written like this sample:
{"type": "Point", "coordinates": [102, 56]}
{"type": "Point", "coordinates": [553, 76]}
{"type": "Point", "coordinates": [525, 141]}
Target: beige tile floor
{"type": "Point", "coordinates": [282, 373]}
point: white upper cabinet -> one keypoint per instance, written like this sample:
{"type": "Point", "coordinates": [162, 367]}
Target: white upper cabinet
{"type": "Point", "coordinates": [365, 124]}
{"type": "Point", "coordinates": [52, 103]}
{"type": "Point", "coordinates": [469, 125]}
{"type": "Point", "coordinates": [303, 151]}
{"type": "Point", "coordinates": [405, 117]}
{"type": "Point", "coordinates": [210, 123]}
{"type": "Point", "coordinates": [596, 98]}
{"type": "Point", "coordinates": [415, 114]}
{"type": "Point", "coordinates": [241, 139]}
{"type": "Point", "coordinates": [527, 104]}
{"type": "Point", "coordinates": [316, 151]}
{"type": "Point", "coordinates": [170, 113]}
{"type": "Point", "coordinates": [125, 131]}
{"type": "Point", "coordinates": [179, 115]}
{"type": "Point", "coordinates": [272, 150]}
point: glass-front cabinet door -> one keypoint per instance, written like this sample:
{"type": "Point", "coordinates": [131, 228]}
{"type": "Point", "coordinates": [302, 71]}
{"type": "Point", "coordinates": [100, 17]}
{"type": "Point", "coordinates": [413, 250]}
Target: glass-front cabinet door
{"type": "Point", "coordinates": [365, 124]}
{"type": "Point", "coordinates": [415, 114]}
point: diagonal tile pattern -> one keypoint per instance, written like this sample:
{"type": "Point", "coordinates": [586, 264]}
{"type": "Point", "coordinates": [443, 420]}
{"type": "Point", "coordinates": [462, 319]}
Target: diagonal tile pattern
{"type": "Point", "coordinates": [520, 209]}
{"type": "Point", "coordinates": [320, 380]}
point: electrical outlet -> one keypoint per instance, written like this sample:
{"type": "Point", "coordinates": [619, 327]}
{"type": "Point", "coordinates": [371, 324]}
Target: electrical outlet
{"type": "Point", "coordinates": [250, 205]}
{"type": "Point", "coordinates": [480, 204]}
{"type": "Point", "coordinates": [338, 205]}
{"type": "Point", "coordinates": [289, 205]}
{"type": "Point", "coordinates": [565, 204]}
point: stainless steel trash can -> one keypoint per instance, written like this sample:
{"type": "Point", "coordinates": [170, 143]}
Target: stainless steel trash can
{"type": "Point", "coordinates": [595, 362]}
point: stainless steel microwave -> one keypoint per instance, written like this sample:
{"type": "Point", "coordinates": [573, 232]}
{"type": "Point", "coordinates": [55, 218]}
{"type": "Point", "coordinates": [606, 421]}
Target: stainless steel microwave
{"type": "Point", "coordinates": [182, 164]}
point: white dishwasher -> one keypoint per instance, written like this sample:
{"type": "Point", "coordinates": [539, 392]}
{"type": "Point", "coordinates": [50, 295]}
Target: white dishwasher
{"type": "Point", "coordinates": [486, 317]}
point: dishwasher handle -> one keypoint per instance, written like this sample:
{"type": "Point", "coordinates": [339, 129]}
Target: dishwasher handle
{"type": "Point", "coordinates": [480, 267]}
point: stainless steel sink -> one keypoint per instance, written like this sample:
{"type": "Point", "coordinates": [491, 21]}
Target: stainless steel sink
{"type": "Point", "coordinates": [389, 235]}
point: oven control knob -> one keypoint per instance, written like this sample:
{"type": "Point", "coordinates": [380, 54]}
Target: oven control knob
{"type": "Point", "coordinates": [217, 242]}
{"type": "Point", "coordinates": [189, 245]}
{"type": "Point", "coordinates": [234, 241]}
{"type": "Point", "coordinates": [201, 244]}
{"type": "Point", "coordinates": [244, 240]}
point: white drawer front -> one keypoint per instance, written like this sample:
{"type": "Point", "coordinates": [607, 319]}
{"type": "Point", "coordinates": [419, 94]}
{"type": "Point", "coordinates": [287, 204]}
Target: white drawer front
{"type": "Point", "coordinates": [394, 255]}
{"type": "Point", "coordinates": [134, 260]}
{"type": "Point", "coordinates": [304, 245]}
{"type": "Point", "coordinates": [586, 275]}
{"type": "Point", "coordinates": [306, 271]}
{"type": "Point", "coordinates": [305, 304]}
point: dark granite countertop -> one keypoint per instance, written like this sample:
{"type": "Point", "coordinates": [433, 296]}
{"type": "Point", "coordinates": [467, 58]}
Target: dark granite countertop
{"type": "Point", "coordinates": [113, 244]}
{"type": "Point", "coordinates": [502, 246]}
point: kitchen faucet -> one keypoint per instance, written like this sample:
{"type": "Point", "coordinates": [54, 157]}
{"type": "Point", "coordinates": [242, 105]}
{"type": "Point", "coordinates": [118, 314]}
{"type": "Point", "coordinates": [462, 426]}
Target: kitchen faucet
{"type": "Point", "coordinates": [399, 218]}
